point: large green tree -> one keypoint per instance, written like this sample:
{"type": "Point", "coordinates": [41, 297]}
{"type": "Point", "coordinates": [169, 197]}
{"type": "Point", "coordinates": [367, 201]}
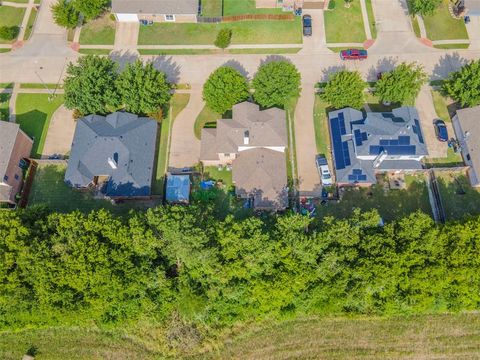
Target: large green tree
{"type": "Point", "coordinates": [464, 85]}
{"type": "Point", "coordinates": [65, 14]}
{"type": "Point", "coordinates": [90, 8]}
{"type": "Point", "coordinates": [402, 84]}
{"type": "Point", "coordinates": [224, 88]}
{"type": "Point", "coordinates": [345, 89]}
{"type": "Point", "coordinates": [276, 83]}
{"type": "Point", "coordinates": [90, 85]}
{"type": "Point", "coordinates": [424, 7]}
{"type": "Point", "coordinates": [143, 89]}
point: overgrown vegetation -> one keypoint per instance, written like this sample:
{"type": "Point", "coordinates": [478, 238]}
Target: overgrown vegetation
{"type": "Point", "coordinates": [463, 85]}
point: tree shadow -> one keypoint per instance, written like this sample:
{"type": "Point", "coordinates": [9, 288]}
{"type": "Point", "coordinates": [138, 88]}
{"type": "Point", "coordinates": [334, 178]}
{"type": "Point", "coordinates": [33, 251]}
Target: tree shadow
{"type": "Point", "coordinates": [122, 58]}
{"type": "Point", "coordinates": [328, 72]}
{"type": "Point", "coordinates": [167, 65]}
{"type": "Point", "coordinates": [447, 64]}
{"type": "Point", "coordinates": [383, 65]}
{"type": "Point", "coordinates": [234, 64]}
{"type": "Point", "coordinates": [272, 58]}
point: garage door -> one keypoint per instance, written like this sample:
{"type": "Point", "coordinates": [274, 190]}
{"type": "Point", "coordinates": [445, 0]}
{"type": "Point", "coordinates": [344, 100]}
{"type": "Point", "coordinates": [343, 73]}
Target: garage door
{"type": "Point", "coordinates": [127, 17]}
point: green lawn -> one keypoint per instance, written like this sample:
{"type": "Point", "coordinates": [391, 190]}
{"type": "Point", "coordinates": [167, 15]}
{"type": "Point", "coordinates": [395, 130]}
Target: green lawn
{"type": "Point", "coordinates": [4, 101]}
{"type": "Point", "coordinates": [320, 122]}
{"type": "Point", "coordinates": [391, 204]}
{"type": "Point", "coordinates": [441, 26]}
{"type": "Point", "coordinates": [30, 23]}
{"type": "Point", "coordinates": [34, 112]}
{"type": "Point", "coordinates": [453, 159]}
{"type": "Point", "coordinates": [344, 25]}
{"type": "Point", "coordinates": [50, 189]}
{"type": "Point", "coordinates": [223, 175]}
{"type": "Point", "coordinates": [100, 31]}
{"type": "Point", "coordinates": [371, 18]}
{"type": "Point", "coordinates": [10, 16]}
{"type": "Point", "coordinates": [178, 103]}
{"type": "Point", "coordinates": [40, 86]}
{"type": "Point", "coordinates": [241, 7]}
{"type": "Point", "coordinates": [206, 118]}
{"type": "Point", "coordinates": [440, 104]}
{"type": "Point", "coordinates": [451, 46]}
{"type": "Point", "coordinates": [95, 51]}
{"type": "Point", "coordinates": [458, 198]}
{"type": "Point", "coordinates": [244, 32]}
{"type": "Point", "coordinates": [212, 8]}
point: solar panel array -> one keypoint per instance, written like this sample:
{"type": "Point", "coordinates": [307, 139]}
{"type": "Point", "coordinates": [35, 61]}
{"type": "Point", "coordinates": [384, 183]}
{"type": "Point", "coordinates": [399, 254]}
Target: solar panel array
{"type": "Point", "coordinates": [340, 148]}
{"type": "Point", "coordinates": [360, 137]}
{"type": "Point", "coordinates": [418, 130]}
{"type": "Point", "coordinates": [357, 176]}
{"type": "Point", "coordinates": [400, 146]}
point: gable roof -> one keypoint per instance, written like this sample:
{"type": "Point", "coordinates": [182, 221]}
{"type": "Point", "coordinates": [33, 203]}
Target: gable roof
{"type": "Point", "coordinates": [174, 7]}
{"type": "Point", "coordinates": [262, 174]}
{"type": "Point", "coordinates": [8, 136]}
{"type": "Point", "coordinates": [469, 134]}
{"type": "Point", "coordinates": [356, 138]}
{"type": "Point", "coordinates": [121, 146]}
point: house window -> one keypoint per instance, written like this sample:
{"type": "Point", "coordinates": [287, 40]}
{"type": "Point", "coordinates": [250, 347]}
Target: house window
{"type": "Point", "coordinates": [226, 154]}
{"type": "Point", "coordinates": [169, 17]}
{"type": "Point", "coordinates": [22, 164]}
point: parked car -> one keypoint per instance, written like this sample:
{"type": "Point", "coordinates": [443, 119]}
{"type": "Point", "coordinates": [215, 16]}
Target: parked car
{"type": "Point", "coordinates": [323, 170]}
{"type": "Point", "coordinates": [307, 25]}
{"type": "Point", "coordinates": [353, 54]}
{"type": "Point", "coordinates": [441, 130]}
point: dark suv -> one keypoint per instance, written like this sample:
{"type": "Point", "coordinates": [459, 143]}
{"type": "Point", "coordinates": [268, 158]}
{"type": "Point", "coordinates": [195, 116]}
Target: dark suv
{"type": "Point", "coordinates": [307, 25]}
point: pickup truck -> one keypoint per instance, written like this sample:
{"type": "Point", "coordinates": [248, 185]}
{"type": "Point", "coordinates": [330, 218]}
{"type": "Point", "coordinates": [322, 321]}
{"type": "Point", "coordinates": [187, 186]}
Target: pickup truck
{"type": "Point", "coordinates": [353, 54]}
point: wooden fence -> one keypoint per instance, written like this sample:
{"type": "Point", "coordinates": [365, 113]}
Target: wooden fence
{"type": "Point", "coordinates": [247, 17]}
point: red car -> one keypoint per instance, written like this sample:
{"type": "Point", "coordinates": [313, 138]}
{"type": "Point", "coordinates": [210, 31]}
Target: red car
{"type": "Point", "coordinates": [353, 54]}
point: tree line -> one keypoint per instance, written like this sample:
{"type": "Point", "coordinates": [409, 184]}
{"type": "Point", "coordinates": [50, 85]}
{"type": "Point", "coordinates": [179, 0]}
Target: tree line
{"type": "Point", "coordinates": [77, 268]}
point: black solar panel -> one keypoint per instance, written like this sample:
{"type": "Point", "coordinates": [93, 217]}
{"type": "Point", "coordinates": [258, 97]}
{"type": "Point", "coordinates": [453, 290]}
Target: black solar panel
{"type": "Point", "coordinates": [417, 130]}
{"type": "Point", "coordinates": [357, 176]}
{"type": "Point", "coordinates": [340, 148]}
{"type": "Point", "coordinates": [393, 150]}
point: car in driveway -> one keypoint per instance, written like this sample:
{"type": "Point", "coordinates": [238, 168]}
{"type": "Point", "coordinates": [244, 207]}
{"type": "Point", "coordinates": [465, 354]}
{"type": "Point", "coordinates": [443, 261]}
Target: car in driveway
{"type": "Point", "coordinates": [307, 25]}
{"type": "Point", "coordinates": [353, 54]}
{"type": "Point", "coordinates": [441, 130]}
{"type": "Point", "coordinates": [323, 170]}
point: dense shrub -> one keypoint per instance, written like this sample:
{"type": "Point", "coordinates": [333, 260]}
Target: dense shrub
{"type": "Point", "coordinates": [223, 39]}
{"type": "Point", "coordinates": [9, 32]}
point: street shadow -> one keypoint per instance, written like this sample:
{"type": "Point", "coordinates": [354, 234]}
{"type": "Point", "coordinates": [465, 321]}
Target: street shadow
{"type": "Point", "coordinates": [383, 65]}
{"type": "Point", "coordinates": [122, 58]}
{"type": "Point", "coordinates": [237, 66]}
{"type": "Point", "coordinates": [272, 58]}
{"type": "Point", "coordinates": [331, 70]}
{"type": "Point", "coordinates": [447, 64]}
{"type": "Point", "coordinates": [167, 65]}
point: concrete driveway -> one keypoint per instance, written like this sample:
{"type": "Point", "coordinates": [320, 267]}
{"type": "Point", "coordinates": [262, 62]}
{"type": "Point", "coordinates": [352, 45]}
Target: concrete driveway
{"type": "Point", "coordinates": [185, 147]}
{"type": "Point", "coordinates": [60, 133]}
{"type": "Point", "coordinates": [308, 178]}
{"type": "Point", "coordinates": [316, 43]}
{"type": "Point", "coordinates": [126, 35]}
{"type": "Point", "coordinates": [426, 110]}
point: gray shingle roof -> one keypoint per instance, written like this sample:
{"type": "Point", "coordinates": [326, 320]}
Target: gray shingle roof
{"type": "Point", "coordinates": [155, 7]}
{"type": "Point", "coordinates": [469, 134]}
{"type": "Point", "coordinates": [262, 174]}
{"type": "Point", "coordinates": [120, 138]}
{"type": "Point", "coordinates": [8, 136]}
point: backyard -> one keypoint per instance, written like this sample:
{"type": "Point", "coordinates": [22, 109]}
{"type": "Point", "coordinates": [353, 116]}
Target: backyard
{"type": "Point", "coordinates": [341, 18]}
{"type": "Point", "coordinates": [34, 112]}
{"type": "Point", "coordinates": [391, 204]}
{"type": "Point", "coordinates": [244, 32]}
{"type": "Point", "coordinates": [442, 26]}
{"type": "Point", "coordinates": [100, 31]}
{"type": "Point", "coordinates": [10, 16]}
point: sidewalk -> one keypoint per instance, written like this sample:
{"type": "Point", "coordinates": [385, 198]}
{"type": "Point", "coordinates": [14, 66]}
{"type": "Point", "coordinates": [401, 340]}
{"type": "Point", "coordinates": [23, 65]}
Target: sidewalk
{"type": "Point", "coordinates": [366, 22]}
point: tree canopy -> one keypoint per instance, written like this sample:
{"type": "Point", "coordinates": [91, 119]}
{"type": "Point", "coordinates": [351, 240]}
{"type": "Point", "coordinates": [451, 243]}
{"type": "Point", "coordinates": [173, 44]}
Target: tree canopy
{"type": "Point", "coordinates": [65, 14]}
{"type": "Point", "coordinates": [276, 83]}
{"type": "Point", "coordinates": [345, 89]}
{"type": "Point", "coordinates": [90, 85]}
{"type": "Point", "coordinates": [402, 84]}
{"type": "Point", "coordinates": [90, 8]}
{"type": "Point", "coordinates": [464, 85]}
{"type": "Point", "coordinates": [143, 89]}
{"type": "Point", "coordinates": [424, 7]}
{"type": "Point", "coordinates": [224, 88]}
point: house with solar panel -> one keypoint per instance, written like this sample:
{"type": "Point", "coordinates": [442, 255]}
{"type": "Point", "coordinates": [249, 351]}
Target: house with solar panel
{"type": "Point", "coordinates": [365, 145]}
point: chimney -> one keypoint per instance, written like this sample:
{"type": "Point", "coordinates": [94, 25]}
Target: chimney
{"type": "Point", "coordinates": [246, 137]}
{"type": "Point", "coordinates": [113, 161]}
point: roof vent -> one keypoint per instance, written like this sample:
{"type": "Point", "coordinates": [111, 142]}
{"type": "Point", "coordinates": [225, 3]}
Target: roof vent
{"type": "Point", "coordinates": [113, 161]}
{"type": "Point", "coordinates": [246, 137]}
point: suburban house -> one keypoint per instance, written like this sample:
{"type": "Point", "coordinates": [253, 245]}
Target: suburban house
{"type": "Point", "coordinates": [15, 147]}
{"type": "Point", "coordinates": [375, 143]}
{"type": "Point", "coordinates": [466, 124]}
{"type": "Point", "coordinates": [156, 10]}
{"type": "Point", "coordinates": [114, 154]}
{"type": "Point", "coordinates": [178, 189]}
{"type": "Point", "coordinates": [253, 143]}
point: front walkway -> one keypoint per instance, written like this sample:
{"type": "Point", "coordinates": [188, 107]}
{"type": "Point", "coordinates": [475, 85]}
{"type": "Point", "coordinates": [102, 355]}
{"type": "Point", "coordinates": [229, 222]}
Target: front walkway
{"type": "Point", "coordinates": [185, 147]}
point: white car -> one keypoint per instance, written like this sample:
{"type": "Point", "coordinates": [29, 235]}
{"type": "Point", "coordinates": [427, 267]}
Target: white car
{"type": "Point", "coordinates": [323, 170]}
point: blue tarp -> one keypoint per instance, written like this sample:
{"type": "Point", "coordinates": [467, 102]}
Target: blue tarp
{"type": "Point", "coordinates": [178, 189]}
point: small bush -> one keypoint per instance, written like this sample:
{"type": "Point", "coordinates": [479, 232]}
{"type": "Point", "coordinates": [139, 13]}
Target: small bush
{"type": "Point", "coordinates": [331, 5]}
{"type": "Point", "coordinates": [9, 32]}
{"type": "Point", "coordinates": [223, 39]}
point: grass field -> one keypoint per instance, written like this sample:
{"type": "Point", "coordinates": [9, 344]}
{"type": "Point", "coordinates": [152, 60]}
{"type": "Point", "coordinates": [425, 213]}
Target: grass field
{"type": "Point", "coordinates": [100, 31]}
{"type": "Point", "coordinates": [241, 7]}
{"type": "Point", "coordinates": [453, 159]}
{"type": "Point", "coordinates": [244, 32]}
{"type": "Point", "coordinates": [416, 337]}
{"type": "Point", "coordinates": [440, 104]}
{"type": "Point", "coordinates": [344, 25]}
{"type": "Point", "coordinates": [10, 16]}
{"type": "Point", "coordinates": [212, 8]}
{"type": "Point", "coordinates": [95, 51]}
{"type": "Point", "coordinates": [223, 175]}
{"type": "Point", "coordinates": [205, 117]}
{"type": "Point", "coordinates": [441, 25]}
{"type": "Point", "coordinates": [178, 103]}
{"type": "Point", "coordinates": [34, 112]}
